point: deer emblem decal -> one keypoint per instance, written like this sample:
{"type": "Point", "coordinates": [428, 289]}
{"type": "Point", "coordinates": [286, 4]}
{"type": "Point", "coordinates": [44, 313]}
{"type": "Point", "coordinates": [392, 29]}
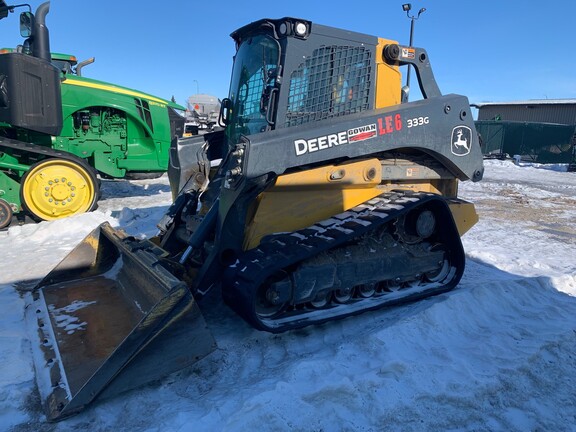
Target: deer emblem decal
{"type": "Point", "coordinates": [461, 140]}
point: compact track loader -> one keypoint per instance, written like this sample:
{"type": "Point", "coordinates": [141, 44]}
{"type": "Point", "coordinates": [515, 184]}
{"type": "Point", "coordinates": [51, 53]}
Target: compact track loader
{"type": "Point", "coordinates": [324, 196]}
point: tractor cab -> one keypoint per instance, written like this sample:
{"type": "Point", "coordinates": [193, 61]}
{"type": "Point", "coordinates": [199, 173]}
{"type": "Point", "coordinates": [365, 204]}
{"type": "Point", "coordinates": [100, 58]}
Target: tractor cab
{"type": "Point", "coordinates": [65, 62]}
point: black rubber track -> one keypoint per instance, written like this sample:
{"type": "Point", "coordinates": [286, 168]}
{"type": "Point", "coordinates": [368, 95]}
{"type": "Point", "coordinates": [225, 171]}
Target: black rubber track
{"type": "Point", "coordinates": [284, 251]}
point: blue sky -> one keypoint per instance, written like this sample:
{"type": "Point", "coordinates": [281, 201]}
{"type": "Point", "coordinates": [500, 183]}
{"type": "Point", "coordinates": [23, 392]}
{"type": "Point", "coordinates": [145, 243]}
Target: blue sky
{"type": "Point", "coordinates": [487, 50]}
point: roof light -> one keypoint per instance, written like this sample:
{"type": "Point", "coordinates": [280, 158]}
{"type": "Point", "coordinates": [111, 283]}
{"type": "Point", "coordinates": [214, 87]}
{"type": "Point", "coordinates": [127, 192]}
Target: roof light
{"type": "Point", "coordinates": [301, 29]}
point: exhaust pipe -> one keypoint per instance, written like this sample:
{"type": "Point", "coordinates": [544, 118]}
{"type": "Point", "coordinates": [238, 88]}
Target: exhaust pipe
{"type": "Point", "coordinates": [41, 43]}
{"type": "Point", "coordinates": [82, 64]}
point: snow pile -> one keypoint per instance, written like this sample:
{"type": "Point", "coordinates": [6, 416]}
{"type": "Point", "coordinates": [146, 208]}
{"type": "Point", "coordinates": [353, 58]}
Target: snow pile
{"type": "Point", "coordinates": [496, 353]}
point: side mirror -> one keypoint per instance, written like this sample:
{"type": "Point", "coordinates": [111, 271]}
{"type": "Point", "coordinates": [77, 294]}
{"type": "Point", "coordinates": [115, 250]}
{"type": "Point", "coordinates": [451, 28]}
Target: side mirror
{"type": "Point", "coordinates": [26, 24]}
{"type": "Point", "coordinates": [225, 112]}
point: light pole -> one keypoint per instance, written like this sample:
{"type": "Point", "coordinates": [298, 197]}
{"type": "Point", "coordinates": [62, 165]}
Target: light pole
{"type": "Point", "coordinates": [197, 87]}
{"type": "Point", "coordinates": [407, 7]}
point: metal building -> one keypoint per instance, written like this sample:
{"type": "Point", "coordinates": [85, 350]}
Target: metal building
{"type": "Point", "coordinates": [536, 130]}
{"type": "Point", "coordinates": [557, 111]}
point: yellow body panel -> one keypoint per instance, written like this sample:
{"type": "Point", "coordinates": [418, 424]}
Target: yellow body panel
{"type": "Point", "coordinates": [301, 199]}
{"type": "Point", "coordinates": [464, 214]}
{"type": "Point", "coordinates": [442, 187]}
{"type": "Point", "coordinates": [388, 79]}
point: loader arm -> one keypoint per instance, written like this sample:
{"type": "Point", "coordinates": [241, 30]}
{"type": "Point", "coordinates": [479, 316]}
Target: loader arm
{"type": "Point", "coordinates": [417, 57]}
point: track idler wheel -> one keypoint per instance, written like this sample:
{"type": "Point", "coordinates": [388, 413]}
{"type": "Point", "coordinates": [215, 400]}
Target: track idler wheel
{"type": "Point", "coordinates": [273, 295]}
{"type": "Point", "coordinates": [57, 188]}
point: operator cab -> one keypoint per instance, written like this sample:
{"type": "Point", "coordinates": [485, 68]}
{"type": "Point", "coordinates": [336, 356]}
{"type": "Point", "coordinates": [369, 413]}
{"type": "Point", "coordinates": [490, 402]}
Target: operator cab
{"type": "Point", "coordinates": [284, 75]}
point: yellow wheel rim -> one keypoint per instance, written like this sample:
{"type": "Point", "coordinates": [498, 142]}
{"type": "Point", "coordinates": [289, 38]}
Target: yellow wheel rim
{"type": "Point", "coordinates": [57, 188]}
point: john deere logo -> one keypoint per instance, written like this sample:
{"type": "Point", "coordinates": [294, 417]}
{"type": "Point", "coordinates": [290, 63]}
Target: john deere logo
{"type": "Point", "coordinates": [461, 140]}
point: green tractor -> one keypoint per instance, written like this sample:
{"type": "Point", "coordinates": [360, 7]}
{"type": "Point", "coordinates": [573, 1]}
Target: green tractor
{"type": "Point", "coordinates": [60, 131]}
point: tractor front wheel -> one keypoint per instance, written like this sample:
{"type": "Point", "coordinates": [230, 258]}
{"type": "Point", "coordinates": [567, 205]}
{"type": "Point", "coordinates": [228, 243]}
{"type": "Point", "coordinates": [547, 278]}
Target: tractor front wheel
{"type": "Point", "coordinates": [57, 188]}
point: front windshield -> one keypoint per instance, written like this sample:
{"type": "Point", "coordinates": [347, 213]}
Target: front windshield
{"type": "Point", "coordinates": [255, 68]}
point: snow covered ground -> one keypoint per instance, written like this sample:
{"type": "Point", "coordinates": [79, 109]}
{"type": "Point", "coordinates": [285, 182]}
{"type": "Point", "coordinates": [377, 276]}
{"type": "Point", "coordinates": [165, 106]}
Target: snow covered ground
{"type": "Point", "coordinates": [496, 353]}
